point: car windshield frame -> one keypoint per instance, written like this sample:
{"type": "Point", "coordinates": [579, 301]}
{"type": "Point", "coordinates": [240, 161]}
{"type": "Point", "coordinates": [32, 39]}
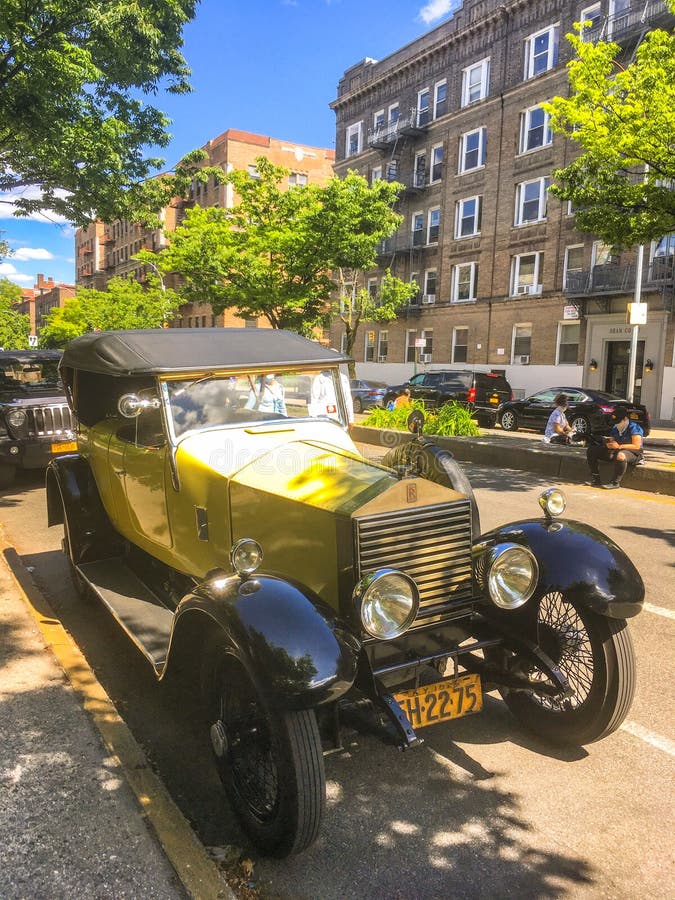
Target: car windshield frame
{"type": "Point", "coordinates": [235, 400]}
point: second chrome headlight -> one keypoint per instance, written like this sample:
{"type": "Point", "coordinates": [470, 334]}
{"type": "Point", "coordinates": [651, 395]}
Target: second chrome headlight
{"type": "Point", "coordinates": [387, 601]}
{"type": "Point", "coordinates": [512, 575]}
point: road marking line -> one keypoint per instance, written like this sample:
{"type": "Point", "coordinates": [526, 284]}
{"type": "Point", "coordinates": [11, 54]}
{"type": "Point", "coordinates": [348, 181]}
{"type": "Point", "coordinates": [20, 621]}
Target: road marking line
{"type": "Point", "coordinates": [650, 737]}
{"type": "Point", "coordinates": [660, 610]}
{"type": "Point", "coordinates": [197, 871]}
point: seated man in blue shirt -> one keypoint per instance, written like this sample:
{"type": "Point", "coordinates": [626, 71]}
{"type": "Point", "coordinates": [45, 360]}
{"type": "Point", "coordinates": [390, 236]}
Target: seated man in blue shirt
{"type": "Point", "coordinates": [623, 447]}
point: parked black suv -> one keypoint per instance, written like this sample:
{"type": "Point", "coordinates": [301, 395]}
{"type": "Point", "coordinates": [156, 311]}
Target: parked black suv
{"type": "Point", "coordinates": [483, 391]}
{"type": "Point", "coordinates": [35, 421]}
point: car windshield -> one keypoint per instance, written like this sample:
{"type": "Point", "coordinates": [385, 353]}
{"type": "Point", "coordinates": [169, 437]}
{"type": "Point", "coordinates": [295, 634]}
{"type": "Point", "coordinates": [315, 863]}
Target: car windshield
{"type": "Point", "coordinates": [28, 374]}
{"type": "Point", "coordinates": [211, 400]}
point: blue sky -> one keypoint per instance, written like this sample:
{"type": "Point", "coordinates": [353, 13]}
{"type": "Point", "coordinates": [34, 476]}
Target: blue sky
{"type": "Point", "coordinates": [266, 66]}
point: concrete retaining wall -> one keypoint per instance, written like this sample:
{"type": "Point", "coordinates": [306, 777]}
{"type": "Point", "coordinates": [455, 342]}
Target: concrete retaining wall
{"type": "Point", "coordinates": [558, 463]}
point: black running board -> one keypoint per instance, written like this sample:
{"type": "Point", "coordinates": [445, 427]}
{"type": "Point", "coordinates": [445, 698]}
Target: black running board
{"type": "Point", "coordinates": [140, 612]}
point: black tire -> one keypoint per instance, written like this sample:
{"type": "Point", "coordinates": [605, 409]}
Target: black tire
{"type": "Point", "coordinates": [269, 760]}
{"type": "Point", "coordinates": [79, 582]}
{"type": "Point", "coordinates": [358, 406]}
{"type": "Point", "coordinates": [596, 656]}
{"type": "Point", "coordinates": [438, 465]}
{"type": "Point", "coordinates": [581, 425]}
{"type": "Point", "coordinates": [7, 475]}
{"type": "Point", "coordinates": [509, 420]}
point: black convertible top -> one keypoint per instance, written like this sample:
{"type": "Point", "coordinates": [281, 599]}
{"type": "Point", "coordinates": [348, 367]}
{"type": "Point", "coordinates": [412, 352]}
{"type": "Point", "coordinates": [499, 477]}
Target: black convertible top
{"type": "Point", "coordinates": [164, 350]}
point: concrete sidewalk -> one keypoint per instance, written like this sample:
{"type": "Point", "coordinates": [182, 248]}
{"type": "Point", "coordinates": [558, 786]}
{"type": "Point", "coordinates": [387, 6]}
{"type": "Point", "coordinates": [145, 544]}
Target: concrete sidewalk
{"type": "Point", "coordinates": [526, 451]}
{"type": "Point", "coordinates": [82, 813]}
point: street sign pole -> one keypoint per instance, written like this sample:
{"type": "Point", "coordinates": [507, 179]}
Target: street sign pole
{"type": "Point", "coordinates": [636, 315]}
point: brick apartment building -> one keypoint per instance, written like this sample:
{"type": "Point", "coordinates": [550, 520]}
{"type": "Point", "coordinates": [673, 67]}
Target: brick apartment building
{"type": "Point", "coordinates": [38, 301]}
{"type": "Point", "coordinates": [103, 251]}
{"type": "Point", "coordinates": [506, 281]}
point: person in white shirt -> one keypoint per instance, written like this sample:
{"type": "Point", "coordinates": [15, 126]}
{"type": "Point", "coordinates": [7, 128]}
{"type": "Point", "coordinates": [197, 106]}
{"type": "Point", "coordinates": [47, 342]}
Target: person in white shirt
{"type": "Point", "coordinates": [267, 396]}
{"type": "Point", "coordinates": [558, 430]}
{"type": "Point", "coordinates": [324, 401]}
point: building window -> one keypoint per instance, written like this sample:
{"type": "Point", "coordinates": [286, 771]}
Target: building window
{"type": "Point", "coordinates": [436, 163]}
{"type": "Point", "coordinates": [418, 229]}
{"type": "Point", "coordinates": [433, 225]}
{"type": "Point", "coordinates": [372, 287]}
{"type": "Point", "coordinates": [526, 270]}
{"type": "Point", "coordinates": [369, 352]}
{"type": "Point", "coordinates": [429, 295]}
{"type": "Point", "coordinates": [440, 99]}
{"type": "Point", "coordinates": [535, 129]}
{"type": "Point", "coordinates": [472, 150]}
{"type": "Point", "coordinates": [252, 171]}
{"type": "Point", "coordinates": [522, 344]}
{"type": "Point", "coordinates": [661, 257]}
{"type": "Point", "coordinates": [296, 178]}
{"type": "Point", "coordinates": [410, 338]}
{"type": "Point", "coordinates": [376, 174]}
{"type": "Point", "coordinates": [382, 346]}
{"type": "Point", "coordinates": [415, 279]}
{"type": "Point", "coordinates": [619, 16]}
{"type": "Point", "coordinates": [343, 343]}
{"type": "Point", "coordinates": [460, 343]}
{"type": "Point", "coordinates": [574, 263]}
{"type": "Point", "coordinates": [428, 348]}
{"type": "Point", "coordinates": [464, 281]}
{"type": "Point", "coordinates": [531, 199]}
{"type": "Point", "coordinates": [568, 343]}
{"type": "Point", "coordinates": [541, 51]}
{"type": "Point", "coordinates": [604, 255]}
{"type": "Point", "coordinates": [475, 82]}
{"type": "Point", "coordinates": [420, 171]}
{"type": "Point", "coordinates": [393, 113]}
{"type": "Point", "coordinates": [591, 16]}
{"type": "Point", "coordinates": [378, 120]}
{"type": "Point", "coordinates": [353, 140]}
{"type": "Point", "coordinates": [467, 217]}
{"type": "Point", "coordinates": [424, 107]}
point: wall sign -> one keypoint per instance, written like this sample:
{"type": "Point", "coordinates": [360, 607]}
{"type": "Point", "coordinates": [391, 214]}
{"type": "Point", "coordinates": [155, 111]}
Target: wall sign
{"type": "Point", "coordinates": [570, 312]}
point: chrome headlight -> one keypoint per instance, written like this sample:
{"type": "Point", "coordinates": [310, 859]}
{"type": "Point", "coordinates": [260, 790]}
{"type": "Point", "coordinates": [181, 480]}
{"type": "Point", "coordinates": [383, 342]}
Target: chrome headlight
{"type": "Point", "coordinates": [16, 418]}
{"type": "Point", "coordinates": [387, 601]}
{"type": "Point", "coordinates": [553, 503]}
{"type": "Point", "coordinates": [512, 574]}
{"type": "Point", "coordinates": [246, 556]}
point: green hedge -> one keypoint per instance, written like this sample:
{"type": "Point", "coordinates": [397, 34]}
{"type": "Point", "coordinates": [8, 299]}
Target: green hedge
{"type": "Point", "coordinates": [451, 420]}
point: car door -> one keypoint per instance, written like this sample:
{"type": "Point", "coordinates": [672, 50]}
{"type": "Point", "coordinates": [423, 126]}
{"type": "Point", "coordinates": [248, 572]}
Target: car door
{"type": "Point", "coordinates": [417, 387]}
{"type": "Point", "coordinates": [432, 388]}
{"type": "Point", "coordinates": [538, 408]}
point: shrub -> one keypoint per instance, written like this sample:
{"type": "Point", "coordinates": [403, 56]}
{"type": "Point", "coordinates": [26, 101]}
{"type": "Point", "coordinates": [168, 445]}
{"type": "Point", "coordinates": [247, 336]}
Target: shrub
{"type": "Point", "coordinates": [451, 420]}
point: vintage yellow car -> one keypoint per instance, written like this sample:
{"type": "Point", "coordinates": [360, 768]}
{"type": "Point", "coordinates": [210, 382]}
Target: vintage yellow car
{"type": "Point", "coordinates": [219, 508]}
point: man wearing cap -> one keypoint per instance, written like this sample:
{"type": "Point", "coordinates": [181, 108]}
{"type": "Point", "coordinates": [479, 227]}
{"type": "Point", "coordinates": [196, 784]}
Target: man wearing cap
{"type": "Point", "coordinates": [623, 447]}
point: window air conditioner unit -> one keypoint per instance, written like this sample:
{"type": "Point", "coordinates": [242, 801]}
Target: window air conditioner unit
{"type": "Point", "coordinates": [524, 360]}
{"type": "Point", "coordinates": [381, 358]}
{"type": "Point", "coordinates": [523, 288]}
{"type": "Point", "coordinates": [425, 357]}
{"type": "Point", "coordinates": [428, 298]}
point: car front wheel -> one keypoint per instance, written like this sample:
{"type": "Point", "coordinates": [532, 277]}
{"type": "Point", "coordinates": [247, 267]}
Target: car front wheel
{"type": "Point", "coordinates": [270, 761]}
{"type": "Point", "coordinates": [358, 406]}
{"type": "Point", "coordinates": [595, 654]}
{"type": "Point", "coordinates": [509, 420]}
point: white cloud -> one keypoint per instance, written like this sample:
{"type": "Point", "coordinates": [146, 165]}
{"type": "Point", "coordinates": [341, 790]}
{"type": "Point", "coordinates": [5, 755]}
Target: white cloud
{"type": "Point", "coordinates": [436, 9]}
{"type": "Point", "coordinates": [23, 254]}
{"type": "Point", "coordinates": [7, 270]}
{"type": "Point", "coordinates": [8, 199]}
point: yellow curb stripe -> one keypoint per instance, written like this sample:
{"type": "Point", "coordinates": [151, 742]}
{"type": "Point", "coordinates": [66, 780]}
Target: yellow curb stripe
{"type": "Point", "coordinates": [197, 871]}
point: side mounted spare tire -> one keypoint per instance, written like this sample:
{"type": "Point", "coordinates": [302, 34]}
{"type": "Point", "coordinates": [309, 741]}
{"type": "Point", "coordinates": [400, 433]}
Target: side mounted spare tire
{"type": "Point", "coordinates": [436, 464]}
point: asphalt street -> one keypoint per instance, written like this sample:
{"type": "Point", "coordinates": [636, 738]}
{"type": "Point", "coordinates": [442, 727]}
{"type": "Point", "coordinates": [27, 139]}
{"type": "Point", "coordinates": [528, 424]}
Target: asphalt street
{"type": "Point", "coordinates": [483, 809]}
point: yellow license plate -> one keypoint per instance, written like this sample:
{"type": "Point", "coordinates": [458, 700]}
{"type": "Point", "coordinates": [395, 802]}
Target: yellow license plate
{"type": "Point", "coordinates": [442, 701]}
{"type": "Point", "coordinates": [64, 447]}
{"type": "Point", "coordinates": [494, 399]}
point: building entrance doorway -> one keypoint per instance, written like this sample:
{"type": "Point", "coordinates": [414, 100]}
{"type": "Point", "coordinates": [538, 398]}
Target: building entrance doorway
{"type": "Point", "coordinates": [616, 377]}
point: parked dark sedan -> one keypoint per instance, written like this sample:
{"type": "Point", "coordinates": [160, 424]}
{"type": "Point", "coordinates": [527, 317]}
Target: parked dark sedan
{"type": "Point", "coordinates": [367, 393]}
{"type": "Point", "coordinates": [589, 411]}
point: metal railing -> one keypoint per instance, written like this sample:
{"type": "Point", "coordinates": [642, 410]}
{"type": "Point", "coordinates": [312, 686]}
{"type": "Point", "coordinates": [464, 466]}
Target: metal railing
{"type": "Point", "coordinates": [611, 279]}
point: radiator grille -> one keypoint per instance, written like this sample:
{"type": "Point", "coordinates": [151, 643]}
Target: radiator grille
{"type": "Point", "coordinates": [432, 545]}
{"type": "Point", "coordinates": [48, 420]}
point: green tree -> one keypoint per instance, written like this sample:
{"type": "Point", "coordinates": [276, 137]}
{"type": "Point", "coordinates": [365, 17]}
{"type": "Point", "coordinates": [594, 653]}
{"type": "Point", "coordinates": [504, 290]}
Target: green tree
{"type": "Point", "coordinates": [74, 78]}
{"type": "Point", "coordinates": [126, 304]}
{"type": "Point", "coordinates": [356, 305]}
{"type": "Point", "coordinates": [14, 327]}
{"type": "Point", "coordinates": [623, 119]}
{"type": "Point", "coordinates": [271, 255]}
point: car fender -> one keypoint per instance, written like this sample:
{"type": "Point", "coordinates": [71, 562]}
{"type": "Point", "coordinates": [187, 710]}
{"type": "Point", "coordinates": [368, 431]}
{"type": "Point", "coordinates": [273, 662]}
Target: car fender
{"type": "Point", "coordinates": [289, 640]}
{"type": "Point", "coordinates": [578, 561]}
{"type": "Point", "coordinates": [74, 501]}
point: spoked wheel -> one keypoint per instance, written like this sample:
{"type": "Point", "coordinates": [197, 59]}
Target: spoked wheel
{"type": "Point", "coordinates": [270, 761]}
{"type": "Point", "coordinates": [79, 583]}
{"type": "Point", "coordinates": [509, 420]}
{"type": "Point", "coordinates": [596, 656]}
